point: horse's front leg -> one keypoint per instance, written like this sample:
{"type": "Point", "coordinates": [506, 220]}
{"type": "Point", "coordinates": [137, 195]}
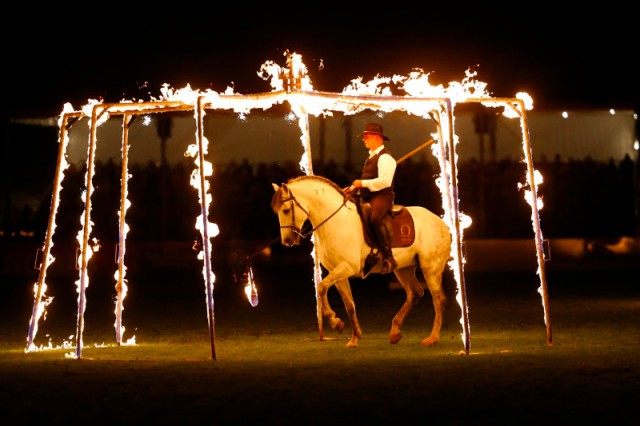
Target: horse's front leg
{"type": "Point", "coordinates": [324, 310]}
{"type": "Point", "coordinates": [341, 281]}
{"type": "Point", "coordinates": [344, 287]}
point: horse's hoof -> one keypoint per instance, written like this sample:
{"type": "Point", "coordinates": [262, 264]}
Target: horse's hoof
{"type": "Point", "coordinates": [338, 325]}
{"type": "Point", "coordinates": [429, 341]}
{"type": "Point", "coordinates": [352, 344]}
{"type": "Point", "coordinates": [388, 265]}
{"type": "Point", "coordinates": [395, 338]}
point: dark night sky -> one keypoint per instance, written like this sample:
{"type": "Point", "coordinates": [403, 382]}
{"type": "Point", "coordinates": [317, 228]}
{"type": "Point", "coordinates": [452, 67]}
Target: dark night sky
{"type": "Point", "coordinates": [579, 59]}
{"type": "Point", "coordinates": [63, 52]}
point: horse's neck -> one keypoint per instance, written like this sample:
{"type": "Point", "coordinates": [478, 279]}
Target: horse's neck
{"type": "Point", "coordinates": [322, 201]}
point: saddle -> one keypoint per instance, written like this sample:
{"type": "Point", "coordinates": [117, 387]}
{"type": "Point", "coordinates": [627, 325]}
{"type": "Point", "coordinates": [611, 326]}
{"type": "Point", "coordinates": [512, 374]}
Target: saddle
{"type": "Point", "coordinates": [398, 219]}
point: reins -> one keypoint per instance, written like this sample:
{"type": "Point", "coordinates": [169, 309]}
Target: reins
{"type": "Point", "coordinates": [297, 230]}
{"type": "Point", "coordinates": [300, 232]}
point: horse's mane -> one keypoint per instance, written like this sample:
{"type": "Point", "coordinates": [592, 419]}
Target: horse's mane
{"type": "Point", "coordinates": [319, 179]}
{"type": "Point", "coordinates": [276, 200]}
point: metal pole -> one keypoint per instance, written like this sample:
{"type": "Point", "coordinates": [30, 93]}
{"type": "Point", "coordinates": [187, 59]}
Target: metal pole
{"type": "Point", "coordinates": [121, 286]}
{"type": "Point", "coordinates": [205, 228]}
{"type": "Point", "coordinates": [61, 165]}
{"type": "Point", "coordinates": [536, 218]}
{"type": "Point", "coordinates": [86, 232]}
{"type": "Point", "coordinates": [457, 233]}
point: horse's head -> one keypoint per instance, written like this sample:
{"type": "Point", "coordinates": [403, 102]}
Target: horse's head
{"type": "Point", "coordinates": [291, 215]}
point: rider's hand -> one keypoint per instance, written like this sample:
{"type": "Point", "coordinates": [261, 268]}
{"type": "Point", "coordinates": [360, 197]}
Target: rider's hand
{"type": "Point", "coordinates": [355, 185]}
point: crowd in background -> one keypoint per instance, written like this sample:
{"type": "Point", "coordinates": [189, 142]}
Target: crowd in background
{"type": "Point", "coordinates": [582, 199]}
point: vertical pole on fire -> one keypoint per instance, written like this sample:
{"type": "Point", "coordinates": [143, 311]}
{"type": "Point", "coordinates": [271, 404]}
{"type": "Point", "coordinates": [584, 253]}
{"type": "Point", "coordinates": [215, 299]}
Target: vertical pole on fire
{"type": "Point", "coordinates": [205, 227]}
{"type": "Point", "coordinates": [61, 165]}
{"type": "Point", "coordinates": [121, 284]}
{"type": "Point", "coordinates": [455, 211]}
{"type": "Point", "coordinates": [85, 251]}
{"type": "Point", "coordinates": [520, 109]}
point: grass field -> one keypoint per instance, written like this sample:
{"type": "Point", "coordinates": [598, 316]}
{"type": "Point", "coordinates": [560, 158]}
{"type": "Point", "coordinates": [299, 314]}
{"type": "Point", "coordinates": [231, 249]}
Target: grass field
{"type": "Point", "coordinates": [271, 367]}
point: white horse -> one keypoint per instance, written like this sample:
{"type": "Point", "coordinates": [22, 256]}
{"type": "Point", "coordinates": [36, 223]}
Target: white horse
{"type": "Point", "coordinates": [342, 249]}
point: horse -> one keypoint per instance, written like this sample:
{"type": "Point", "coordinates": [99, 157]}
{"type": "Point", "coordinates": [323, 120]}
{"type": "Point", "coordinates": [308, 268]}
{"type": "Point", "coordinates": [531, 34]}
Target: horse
{"type": "Point", "coordinates": [342, 249]}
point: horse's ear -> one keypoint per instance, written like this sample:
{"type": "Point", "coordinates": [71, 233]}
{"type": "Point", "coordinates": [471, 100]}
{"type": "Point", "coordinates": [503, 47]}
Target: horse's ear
{"type": "Point", "coordinates": [283, 188]}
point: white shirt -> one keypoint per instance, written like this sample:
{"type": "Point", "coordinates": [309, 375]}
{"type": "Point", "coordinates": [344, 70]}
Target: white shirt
{"type": "Point", "coordinates": [386, 170]}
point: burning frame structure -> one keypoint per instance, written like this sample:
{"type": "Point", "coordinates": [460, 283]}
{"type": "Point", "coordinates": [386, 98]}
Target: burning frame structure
{"type": "Point", "coordinates": [290, 84]}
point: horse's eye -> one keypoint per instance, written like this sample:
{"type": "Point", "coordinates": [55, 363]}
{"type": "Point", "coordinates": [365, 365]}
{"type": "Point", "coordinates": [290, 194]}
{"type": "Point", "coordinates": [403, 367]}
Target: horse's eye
{"type": "Point", "coordinates": [286, 211]}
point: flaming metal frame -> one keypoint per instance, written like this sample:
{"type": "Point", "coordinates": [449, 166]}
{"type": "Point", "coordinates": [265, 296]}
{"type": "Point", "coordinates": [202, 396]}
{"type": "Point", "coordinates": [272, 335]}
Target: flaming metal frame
{"type": "Point", "coordinates": [440, 109]}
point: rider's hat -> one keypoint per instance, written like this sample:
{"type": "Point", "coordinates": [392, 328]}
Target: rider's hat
{"type": "Point", "coordinates": [374, 128]}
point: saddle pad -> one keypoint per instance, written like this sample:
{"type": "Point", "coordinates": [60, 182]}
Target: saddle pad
{"type": "Point", "coordinates": [403, 230]}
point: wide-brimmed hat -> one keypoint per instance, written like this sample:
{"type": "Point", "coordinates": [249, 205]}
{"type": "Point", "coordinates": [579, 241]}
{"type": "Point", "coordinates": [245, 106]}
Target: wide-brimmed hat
{"type": "Point", "coordinates": [374, 128]}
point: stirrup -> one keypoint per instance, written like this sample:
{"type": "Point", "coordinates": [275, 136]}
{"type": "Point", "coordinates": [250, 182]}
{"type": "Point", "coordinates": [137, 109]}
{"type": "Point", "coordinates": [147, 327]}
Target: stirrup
{"type": "Point", "coordinates": [370, 262]}
{"type": "Point", "coordinates": [388, 265]}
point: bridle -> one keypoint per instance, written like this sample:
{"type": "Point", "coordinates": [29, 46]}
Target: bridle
{"type": "Point", "coordinates": [294, 228]}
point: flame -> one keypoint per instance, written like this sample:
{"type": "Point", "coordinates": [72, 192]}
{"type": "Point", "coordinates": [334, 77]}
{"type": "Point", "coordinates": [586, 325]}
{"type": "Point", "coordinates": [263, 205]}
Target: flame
{"type": "Point", "coordinates": [202, 170]}
{"type": "Point", "coordinates": [41, 300]}
{"type": "Point", "coordinates": [412, 93]}
{"type": "Point", "coordinates": [40, 312]}
{"type": "Point", "coordinates": [68, 344]}
{"type": "Point", "coordinates": [120, 274]}
{"type": "Point", "coordinates": [87, 249]}
{"type": "Point", "coordinates": [528, 193]}
{"type": "Point", "coordinates": [250, 289]}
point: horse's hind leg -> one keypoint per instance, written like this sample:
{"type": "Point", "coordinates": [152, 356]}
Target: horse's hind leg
{"type": "Point", "coordinates": [414, 291]}
{"type": "Point", "coordinates": [433, 278]}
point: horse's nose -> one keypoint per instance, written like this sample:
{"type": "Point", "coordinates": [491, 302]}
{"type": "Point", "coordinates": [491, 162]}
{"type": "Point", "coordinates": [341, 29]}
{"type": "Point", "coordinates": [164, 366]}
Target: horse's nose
{"type": "Point", "coordinates": [287, 241]}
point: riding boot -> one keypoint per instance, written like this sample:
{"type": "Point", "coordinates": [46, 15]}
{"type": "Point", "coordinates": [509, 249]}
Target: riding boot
{"type": "Point", "coordinates": [384, 237]}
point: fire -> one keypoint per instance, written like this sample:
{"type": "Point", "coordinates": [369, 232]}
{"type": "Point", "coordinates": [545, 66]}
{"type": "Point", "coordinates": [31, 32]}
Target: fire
{"type": "Point", "coordinates": [367, 95]}
{"type": "Point", "coordinates": [41, 300]}
{"type": "Point", "coordinates": [250, 289]}
{"type": "Point", "coordinates": [120, 274]}
{"type": "Point", "coordinates": [412, 93]}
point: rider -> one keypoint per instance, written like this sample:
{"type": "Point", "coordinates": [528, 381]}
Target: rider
{"type": "Point", "coordinates": [376, 188]}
